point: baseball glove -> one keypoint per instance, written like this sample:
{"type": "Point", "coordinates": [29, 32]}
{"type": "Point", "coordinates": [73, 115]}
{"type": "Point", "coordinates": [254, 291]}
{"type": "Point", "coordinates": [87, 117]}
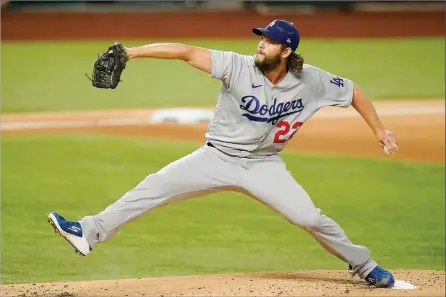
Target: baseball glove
{"type": "Point", "coordinates": [109, 66]}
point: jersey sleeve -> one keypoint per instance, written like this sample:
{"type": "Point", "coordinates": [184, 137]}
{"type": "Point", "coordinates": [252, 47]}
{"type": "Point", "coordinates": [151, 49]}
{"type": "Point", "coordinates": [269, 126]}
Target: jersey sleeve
{"type": "Point", "coordinates": [226, 66]}
{"type": "Point", "coordinates": [333, 90]}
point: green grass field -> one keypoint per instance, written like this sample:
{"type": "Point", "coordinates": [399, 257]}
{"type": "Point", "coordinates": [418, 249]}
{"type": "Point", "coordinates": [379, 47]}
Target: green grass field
{"type": "Point", "coordinates": [394, 208]}
{"type": "Point", "coordinates": [50, 76]}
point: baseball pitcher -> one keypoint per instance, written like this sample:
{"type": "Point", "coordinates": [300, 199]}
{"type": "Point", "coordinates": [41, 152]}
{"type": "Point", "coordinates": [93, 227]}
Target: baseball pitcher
{"type": "Point", "coordinates": [263, 101]}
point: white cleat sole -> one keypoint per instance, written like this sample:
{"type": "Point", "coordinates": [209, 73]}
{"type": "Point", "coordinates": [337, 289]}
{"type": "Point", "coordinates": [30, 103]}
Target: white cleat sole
{"type": "Point", "coordinates": [79, 244]}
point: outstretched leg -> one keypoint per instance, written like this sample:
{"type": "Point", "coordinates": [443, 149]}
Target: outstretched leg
{"type": "Point", "coordinates": [199, 173]}
{"type": "Point", "coordinates": [272, 184]}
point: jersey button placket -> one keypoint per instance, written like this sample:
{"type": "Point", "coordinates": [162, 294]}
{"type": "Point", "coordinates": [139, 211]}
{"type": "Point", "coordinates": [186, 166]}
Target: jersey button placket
{"type": "Point", "coordinates": [272, 100]}
{"type": "Point", "coordinates": [265, 127]}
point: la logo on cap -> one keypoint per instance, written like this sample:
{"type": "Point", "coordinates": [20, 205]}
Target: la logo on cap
{"type": "Point", "coordinates": [288, 40]}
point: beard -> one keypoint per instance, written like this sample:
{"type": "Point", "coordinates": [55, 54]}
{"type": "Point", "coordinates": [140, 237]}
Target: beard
{"type": "Point", "coordinates": [268, 63]}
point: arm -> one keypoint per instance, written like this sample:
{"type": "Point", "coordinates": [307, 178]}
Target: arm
{"type": "Point", "coordinates": [198, 57]}
{"type": "Point", "coordinates": [366, 109]}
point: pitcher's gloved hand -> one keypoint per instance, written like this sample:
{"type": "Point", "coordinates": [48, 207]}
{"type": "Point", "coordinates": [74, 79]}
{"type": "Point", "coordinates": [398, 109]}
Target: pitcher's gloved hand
{"type": "Point", "coordinates": [109, 66]}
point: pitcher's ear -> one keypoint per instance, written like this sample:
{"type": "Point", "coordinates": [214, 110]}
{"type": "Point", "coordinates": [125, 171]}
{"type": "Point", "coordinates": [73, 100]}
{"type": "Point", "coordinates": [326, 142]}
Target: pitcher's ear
{"type": "Point", "coordinates": [286, 52]}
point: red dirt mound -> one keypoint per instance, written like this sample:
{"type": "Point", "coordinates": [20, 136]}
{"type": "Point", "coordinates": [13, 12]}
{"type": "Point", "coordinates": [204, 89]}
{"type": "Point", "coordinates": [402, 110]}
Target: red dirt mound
{"type": "Point", "coordinates": [299, 283]}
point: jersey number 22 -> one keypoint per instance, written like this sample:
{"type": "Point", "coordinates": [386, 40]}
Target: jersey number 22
{"type": "Point", "coordinates": [284, 129]}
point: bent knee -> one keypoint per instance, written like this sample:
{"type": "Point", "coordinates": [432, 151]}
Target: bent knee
{"type": "Point", "coordinates": [311, 223]}
{"type": "Point", "coordinates": [308, 221]}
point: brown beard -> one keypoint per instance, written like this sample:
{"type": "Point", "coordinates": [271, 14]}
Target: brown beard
{"type": "Point", "coordinates": [269, 63]}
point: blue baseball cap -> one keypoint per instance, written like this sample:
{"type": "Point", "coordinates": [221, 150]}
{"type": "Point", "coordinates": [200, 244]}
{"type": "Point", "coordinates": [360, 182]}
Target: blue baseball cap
{"type": "Point", "coordinates": [282, 32]}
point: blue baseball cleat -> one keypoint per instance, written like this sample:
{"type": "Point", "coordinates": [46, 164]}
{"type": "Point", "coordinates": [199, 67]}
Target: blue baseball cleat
{"type": "Point", "coordinates": [380, 278]}
{"type": "Point", "coordinates": [71, 232]}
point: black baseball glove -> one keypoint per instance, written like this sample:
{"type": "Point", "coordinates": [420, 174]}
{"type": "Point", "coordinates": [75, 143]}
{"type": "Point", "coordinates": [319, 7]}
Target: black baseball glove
{"type": "Point", "coordinates": [109, 66]}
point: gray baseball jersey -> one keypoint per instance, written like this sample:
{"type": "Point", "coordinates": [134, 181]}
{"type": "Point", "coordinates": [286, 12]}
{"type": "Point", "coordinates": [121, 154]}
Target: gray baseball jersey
{"type": "Point", "coordinates": [253, 119]}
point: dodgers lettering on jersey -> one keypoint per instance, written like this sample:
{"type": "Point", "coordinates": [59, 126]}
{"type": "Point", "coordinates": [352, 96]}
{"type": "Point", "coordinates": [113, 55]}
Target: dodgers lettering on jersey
{"type": "Point", "coordinates": [254, 118]}
{"type": "Point", "coordinates": [262, 113]}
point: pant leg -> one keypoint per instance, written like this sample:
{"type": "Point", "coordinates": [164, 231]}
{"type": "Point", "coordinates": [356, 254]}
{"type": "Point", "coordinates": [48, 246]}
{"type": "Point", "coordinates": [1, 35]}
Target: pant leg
{"type": "Point", "coordinates": [197, 174]}
{"type": "Point", "coordinates": [271, 183]}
